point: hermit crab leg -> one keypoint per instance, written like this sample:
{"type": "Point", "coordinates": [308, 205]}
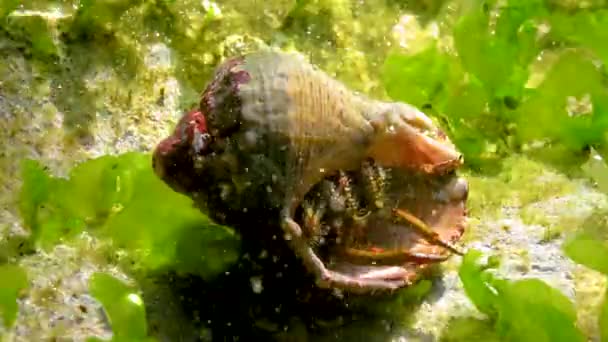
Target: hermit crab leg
{"type": "Point", "coordinates": [426, 231]}
{"type": "Point", "coordinates": [331, 279]}
{"type": "Point", "coordinates": [391, 256]}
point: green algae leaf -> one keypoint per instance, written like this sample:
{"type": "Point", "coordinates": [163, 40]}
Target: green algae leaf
{"type": "Point", "coordinates": [585, 28]}
{"type": "Point", "coordinates": [52, 208]}
{"type": "Point", "coordinates": [89, 188]}
{"type": "Point", "coordinates": [498, 55]}
{"type": "Point", "coordinates": [477, 283]}
{"type": "Point", "coordinates": [121, 198]}
{"type": "Point", "coordinates": [524, 310]}
{"type": "Point", "coordinates": [123, 305]}
{"type": "Point", "coordinates": [603, 319]}
{"type": "Point", "coordinates": [96, 15]}
{"type": "Point", "coordinates": [475, 91]}
{"type": "Point", "coordinates": [36, 28]}
{"type": "Point", "coordinates": [471, 127]}
{"type": "Point", "coordinates": [433, 79]}
{"type": "Point", "coordinates": [596, 169]}
{"type": "Point", "coordinates": [7, 7]}
{"type": "Point", "coordinates": [589, 251]}
{"type": "Point", "coordinates": [531, 310]}
{"type": "Point", "coordinates": [589, 245]}
{"type": "Point", "coordinates": [570, 106]}
{"type": "Point", "coordinates": [14, 280]}
{"type": "Point", "coordinates": [34, 192]}
{"type": "Point", "coordinates": [42, 206]}
{"type": "Point", "coordinates": [162, 225]}
{"type": "Point", "coordinates": [489, 59]}
{"type": "Point", "coordinates": [415, 79]}
{"type": "Point", "coordinates": [469, 329]}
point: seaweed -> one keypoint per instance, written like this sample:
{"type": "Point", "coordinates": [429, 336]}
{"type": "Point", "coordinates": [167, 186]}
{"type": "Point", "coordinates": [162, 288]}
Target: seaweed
{"type": "Point", "coordinates": [521, 77]}
{"type": "Point", "coordinates": [589, 246]}
{"type": "Point", "coordinates": [522, 310]}
{"type": "Point", "coordinates": [123, 306]}
{"type": "Point", "coordinates": [603, 321]}
{"type": "Point", "coordinates": [484, 93]}
{"type": "Point", "coordinates": [120, 197]}
{"type": "Point", "coordinates": [14, 280]}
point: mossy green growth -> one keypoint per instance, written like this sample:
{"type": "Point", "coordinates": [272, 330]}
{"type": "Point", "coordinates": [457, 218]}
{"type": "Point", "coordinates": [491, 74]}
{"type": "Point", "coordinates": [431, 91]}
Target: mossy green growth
{"type": "Point", "coordinates": [596, 169]}
{"type": "Point", "coordinates": [121, 198]}
{"type": "Point", "coordinates": [584, 28]}
{"type": "Point", "coordinates": [13, 281]}
{"type": "Point", "coordinates": [570, 105]}
{"type": "Point", "coordinates": [497, 53]}
{"type": "Point", "coordinates": [483, 96]}
{"type": "Point", "coordinates": [475, 91]}
{"type": "Point", "coordinates": [415, 79]}
{"type": "Point", "coordinates": [520, 182]}
{"type": "Point", "coordinates": [7, 7]}
{"type": "Point", "coordinates": [123, 306]}
{"type": "Point", "coordinates": [35, 28]}
{"type": "Point", "coordinates": [470, 329]}
{"type": "Point", "coordinates": [523, 310]}
{"type": "Point", "coordinates": [604, 318]}
{"type": "Point", "coordinates": [590, 246]}
{"type": "Point", "coordinates": [433, 80]}
{"type": "Point", "coordinates": [588, 250]}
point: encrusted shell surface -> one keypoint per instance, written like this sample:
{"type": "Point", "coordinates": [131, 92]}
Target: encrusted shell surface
{"type": "Point", "coordinates": [274, 127]}
{"type": "Point", "coordinates": [279, 105]}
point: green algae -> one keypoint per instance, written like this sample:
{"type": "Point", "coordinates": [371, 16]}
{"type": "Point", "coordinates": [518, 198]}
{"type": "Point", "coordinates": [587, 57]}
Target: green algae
{"type": "Point", "coordinates": [603, 321]}
{"type": "Point", "coordinates": [584, 28]}
{"type": "Point", "coordinates": [121, 200]}
{"type": "Point", "coordinates": [120, 197]}
{"type": "Point", "coordinates": [470, 329]}
{"type": "Point", "coordinates": [596, 169]}
{"type": "Point", "coordinates": [123, 306]}
{"type": "Point", "coordinates": [522, 310]}
{"type": "Point", "coordinates": [589, 246]}
{"type": "Point", "coordinates": [520, 182]}
{"type": "Point", "coordinates": [481, 93]}
{"type": "Point", "coordinates": [497, 53]}
{"type": "Point", "coordinates": [482, 96]}
{"type": "Point", "coordinates": [569, 106]}
{"type": "Point", "coordinates": [14, 280]}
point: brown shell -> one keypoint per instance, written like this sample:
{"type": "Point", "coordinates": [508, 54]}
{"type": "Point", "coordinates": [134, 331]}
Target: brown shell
{"type": "Point", "coordinates": [311, 123]}
{"type": "Point", "coordinates": [271, 126]}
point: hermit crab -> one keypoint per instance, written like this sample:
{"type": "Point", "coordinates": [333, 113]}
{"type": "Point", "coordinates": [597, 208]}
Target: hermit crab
{"type": "Point", "coordinates": [365, 192]}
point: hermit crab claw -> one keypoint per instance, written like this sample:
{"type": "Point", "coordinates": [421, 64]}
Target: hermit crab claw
{"type": "Point", "coordinates": [423, 212]}
{"type": "Point", "coordinates": [406, 138]}
{"type": "Point", "coordinates": [424, 218]}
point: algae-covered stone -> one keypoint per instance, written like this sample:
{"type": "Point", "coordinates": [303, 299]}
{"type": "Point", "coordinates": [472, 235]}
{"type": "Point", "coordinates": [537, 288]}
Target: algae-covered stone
{"type": "Point", "coordinates": [39, 28]}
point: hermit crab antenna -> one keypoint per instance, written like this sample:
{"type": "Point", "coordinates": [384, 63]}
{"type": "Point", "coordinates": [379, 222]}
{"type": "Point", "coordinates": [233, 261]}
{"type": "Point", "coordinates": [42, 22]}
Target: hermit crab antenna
{"type": "Point", "coordinates": [426, 231]}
